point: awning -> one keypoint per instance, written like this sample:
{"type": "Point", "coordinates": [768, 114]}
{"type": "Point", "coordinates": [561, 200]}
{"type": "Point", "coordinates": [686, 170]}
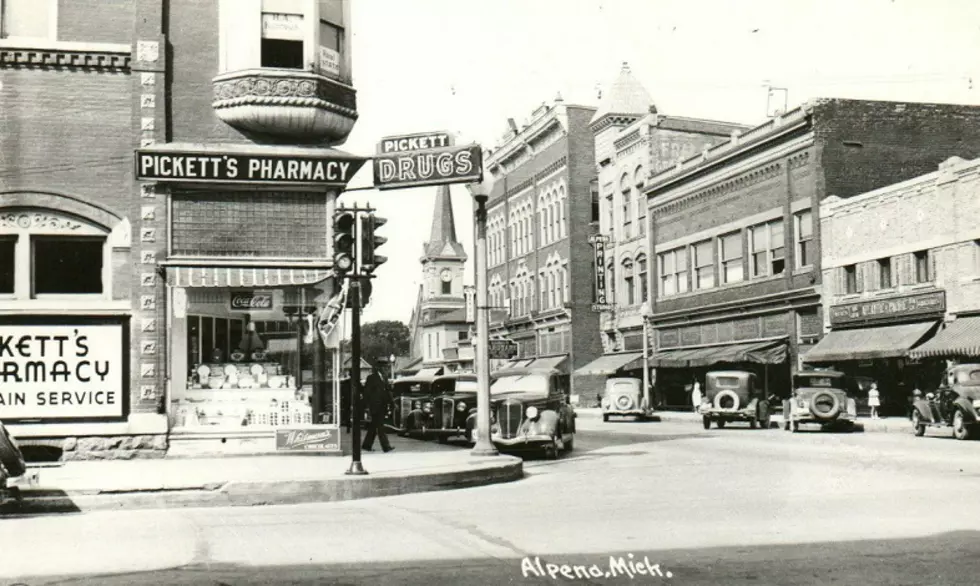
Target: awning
{"type": "Point", "coordinates": [868, 343]}
{"type": "Point", "coordinates": [244, 276]}
{"type": "Point", "coordinates": [429, 372]}
{"type": "Point", "coordinates": [556, 362]}
{"type": "Point", "coordinates": [960, 338]}
{"type": "Point", "coordinates": [608, 364]}
{"type": "Point", "coordinates": [771, 352]}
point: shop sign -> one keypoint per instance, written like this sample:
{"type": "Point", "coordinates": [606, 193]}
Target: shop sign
{"type": "Point", "coordinates": [251, 300]}
{"type": "Point", "coordinates": [911, 305]}
{"type": "Point", "coordinates": [308, 440]}
{"type": "Point", "coordinates": [236, 168]}
{"type": "Point", "coordinates": [469, 294]}
{"type": "Point", "coordinates": [602, 302]}
{"type": "Point", "coordinates": [63, 371]}
{"type": "Point", "coordinates": [415, 142]}
{"type": "Point", "coordinates": [279, 25]}
{"type": "Point", "coordinates": [329, 61]}
{"type": "Point", "coordinates": [462, 164]}
{"type": "Point", "coordinates": [502, 349]}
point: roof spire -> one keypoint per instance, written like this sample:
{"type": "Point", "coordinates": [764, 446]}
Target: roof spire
{"type": "Point", "coordinates": [626, 96]}
{"type": "Point", "coordinates": [443, 232]}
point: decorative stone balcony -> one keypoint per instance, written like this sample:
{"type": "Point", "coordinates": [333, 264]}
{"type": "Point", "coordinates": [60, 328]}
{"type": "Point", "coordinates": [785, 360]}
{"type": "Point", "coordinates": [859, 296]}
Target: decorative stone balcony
{"type": "Point", "coordinates": [286, 105]}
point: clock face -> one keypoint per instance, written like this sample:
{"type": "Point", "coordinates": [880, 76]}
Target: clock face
{"type": "Point", "coordinates": [447, 275]}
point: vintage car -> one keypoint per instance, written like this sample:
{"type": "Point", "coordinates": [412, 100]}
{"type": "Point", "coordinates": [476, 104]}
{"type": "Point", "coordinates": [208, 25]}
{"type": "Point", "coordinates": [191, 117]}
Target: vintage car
{"type": "Point", "coordinates": [623, 397]}
{"type": "Point", "coordinates": [956, 403]}
{"type": "Point", "coordinates": [412, 414]}
{"type": "Point", "coordinates": [529, 411]}
{"type": "Point", "coordinates": [454, 399]}
{"type": "Point", "coordinates": [820, 396]}
{"type": "Point", "coordinates": [734, 395]}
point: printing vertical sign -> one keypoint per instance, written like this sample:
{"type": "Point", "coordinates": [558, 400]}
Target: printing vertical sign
{"type": "Point", "coordinates": [598, 242]}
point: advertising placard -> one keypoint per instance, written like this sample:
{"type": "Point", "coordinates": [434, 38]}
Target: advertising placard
{"type": "Point", "coordinates": [211, 167]}
{"type": "Point", "coordinates": [601, 301]}
{"type": "Point", "coordinates": [318, 439]}
{"type": "Point", "coordinates": [251, 301]}
{"type": "Point", "coordinates": [502, 349]}
{"type": "Point", "coordinates": [932, 302]}
{"type": "Point", "coordinates": [75, 370]}
{"type": "Point", "coordinates": [462, 164]}
{"type": "Point", "coordinates": [329, 61]}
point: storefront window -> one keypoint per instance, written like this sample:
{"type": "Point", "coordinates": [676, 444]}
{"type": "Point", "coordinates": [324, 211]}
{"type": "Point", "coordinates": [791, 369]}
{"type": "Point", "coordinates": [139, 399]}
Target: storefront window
{"type": "Point", "coordinates": [8, 245]}
{"type": "Point", "coordinates": [67, 265]}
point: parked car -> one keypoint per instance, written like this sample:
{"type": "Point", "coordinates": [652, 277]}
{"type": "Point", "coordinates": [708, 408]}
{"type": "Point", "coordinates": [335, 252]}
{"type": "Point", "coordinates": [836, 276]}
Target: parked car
{"type": "Point", "coordinates": [529, 411]}
{"type": "Point", "coordinates": [956, 403]}
{"type": "Point", "coordinates": [734, 395]}
{"type": "Point", "coordinates": [412, 396]}
{"type": "Point", "coordinates": [11, 459]}
{"type": "Point", "coordinates": [623, 397]}
{"type": "Point", "coordinates": [454, 399]}
{"type": "Point", "coordinates": [820, 396]}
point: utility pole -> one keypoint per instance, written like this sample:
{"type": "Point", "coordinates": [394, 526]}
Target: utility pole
{"type": "Point", "coordinates": [483, 446]}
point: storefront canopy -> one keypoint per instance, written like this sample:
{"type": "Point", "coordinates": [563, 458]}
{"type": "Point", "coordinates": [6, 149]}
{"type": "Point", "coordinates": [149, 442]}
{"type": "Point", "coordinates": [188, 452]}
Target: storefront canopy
{"type": "Point", "coordinates": [244, 276]}
{"type": "Point", "coordinates": [868, 343]}
{"type": "Point", "coordinates": [608, 364]}
{"type": "Point", "coordinates": [556, 362]}
{"type": "Point", "coordinates": [771, 352]}
{"type": "Point", "coordinates": [960, 338]}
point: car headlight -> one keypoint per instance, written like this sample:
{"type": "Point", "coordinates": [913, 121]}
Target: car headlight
{"type": "Point", "coordinates": [427, 407]}
{"type": "Point", "coordinates": [461, 406]}
{"type": "Point", "coordinates": [532, 412]}
{"type": "Point", "coordinates": [416, 405]}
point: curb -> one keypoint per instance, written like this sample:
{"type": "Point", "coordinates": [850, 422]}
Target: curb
{"type": "Point", "coordinates": [249, 493]}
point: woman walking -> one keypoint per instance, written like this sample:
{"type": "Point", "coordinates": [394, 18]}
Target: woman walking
{"type": "Point", "coordinates": [874, 400]}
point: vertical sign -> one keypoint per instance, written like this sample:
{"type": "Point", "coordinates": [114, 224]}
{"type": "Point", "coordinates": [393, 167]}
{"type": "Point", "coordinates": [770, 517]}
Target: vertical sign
{"type": "Point", "coordinates": [601, 301]}
{"type": "Point", "coordinates": [469, 293]}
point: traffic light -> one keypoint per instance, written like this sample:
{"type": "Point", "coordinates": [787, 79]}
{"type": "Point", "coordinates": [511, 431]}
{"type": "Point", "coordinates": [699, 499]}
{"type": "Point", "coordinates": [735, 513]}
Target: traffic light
{"type": "Point", "coordinates": [367, 260]}
{"type": "Point", "coordinates": [344, 241]}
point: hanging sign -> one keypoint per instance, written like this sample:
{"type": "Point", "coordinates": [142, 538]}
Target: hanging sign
{"type": "Point", "coordinates": [599, 242]}
{"type": "Point", "coordinates": [455, 164]}
{"type": "Point", "coordinates": [469, 293]}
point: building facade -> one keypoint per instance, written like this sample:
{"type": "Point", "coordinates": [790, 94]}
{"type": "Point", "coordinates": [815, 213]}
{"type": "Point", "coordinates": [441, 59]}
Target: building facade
{"type": "Point", "coordinates": [901, 275]}
{"type": "Point", "coordinates": [632, 141]}
{"type": "Point", "coordinates": [182, 290]}
{"type": "Point", "coordinates": [735, 230]}
{"type": "Point", "coordinates": [538, 222]}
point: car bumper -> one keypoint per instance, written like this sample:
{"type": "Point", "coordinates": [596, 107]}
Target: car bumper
{"type": "Point", "coordinates": [808, 417]}
{"type": "Point", "coordinates": [624, 412]}
{"type": "Point", "coordinates": [744, 415]}
{"type": "Point", "coordinates": [524, 441]}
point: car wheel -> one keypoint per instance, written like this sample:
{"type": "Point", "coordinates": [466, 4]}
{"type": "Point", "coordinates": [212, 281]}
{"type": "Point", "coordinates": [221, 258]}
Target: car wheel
{"type": "Point", "coordinates": [707, 422]}
{"type": "Point", "coordinates": [764, 416]}
{"type": "Point", "coordinates": [605, 418]}
{"type": "Point", "coordinates": [752, 424]}
{"type": "Point", "coordinates": [553, 453]}
{"type": "Point", "coordinates": [960, 430]}
{"type": "Point", "coordinates": [569, 443]}
{"type": "Point", "coordinates": [720, 424]}
{"type": "Point", "coordinates": [917, 425]}
{"type": "Point", "coordinates": [796, 426]}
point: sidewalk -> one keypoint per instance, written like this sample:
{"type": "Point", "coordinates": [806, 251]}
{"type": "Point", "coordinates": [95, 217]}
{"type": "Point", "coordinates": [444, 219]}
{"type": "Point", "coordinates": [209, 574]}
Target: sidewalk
{"type": "Point", "coordinates": [250, 480]}
{"type": "Point", "coordinates": [886, 424]}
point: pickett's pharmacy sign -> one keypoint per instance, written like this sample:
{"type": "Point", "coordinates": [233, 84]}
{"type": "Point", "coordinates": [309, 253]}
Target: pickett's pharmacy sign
{"type": "Point", "coordinates": [240, 168]}
{"type": "Point", "coordinates": [63, 372]}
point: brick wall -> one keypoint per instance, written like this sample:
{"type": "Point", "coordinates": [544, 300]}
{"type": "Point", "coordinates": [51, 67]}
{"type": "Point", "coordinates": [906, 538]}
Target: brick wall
{"type": "Point", "coordinates": [95, 21]}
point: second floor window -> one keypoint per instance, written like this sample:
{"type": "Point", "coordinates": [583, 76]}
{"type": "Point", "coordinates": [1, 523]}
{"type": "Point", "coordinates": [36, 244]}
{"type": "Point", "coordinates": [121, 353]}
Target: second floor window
{"type": "Point", "coordinates": [922, 267]}
{"type": "Point", "coordinates": [8, 246]}
{"type": "Point", "coordinates": [850, 279]}
{"type": "Point", "coordinates": [282, 40]}
{"type": "Point", "coordinates": [629, 293]}
{"type": "Point", "coordinates": [610, 213]}
{"type": "Point", "coordinates": [884, 273]}
{"type": "Point", "coordinates": [28, 19]}
{"type": "Point", "coordinates": [804, 239]}
{"type": "Point", "coordinates": [730, 251]}
{"type": "Point", "coordinates": [703, 260]}
{"type": "Point", "coordinates": [767, 249]}
{"type": "Point", "coordinates": [673, 272]}
{"type": "Point", "coordinates": [641, 267]}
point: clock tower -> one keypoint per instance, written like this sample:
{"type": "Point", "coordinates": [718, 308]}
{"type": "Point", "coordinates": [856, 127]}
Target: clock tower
{"type": "Point", "coordinates": [443, 260]}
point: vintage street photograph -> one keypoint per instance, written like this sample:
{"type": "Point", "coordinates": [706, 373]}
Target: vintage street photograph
{"type": "Point", "coordinates": [466, 292]}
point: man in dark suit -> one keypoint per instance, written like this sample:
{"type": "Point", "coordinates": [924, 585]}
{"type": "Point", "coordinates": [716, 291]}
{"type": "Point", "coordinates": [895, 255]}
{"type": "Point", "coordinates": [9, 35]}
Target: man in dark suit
{"type": "Point", "coordinates": [378, 399]}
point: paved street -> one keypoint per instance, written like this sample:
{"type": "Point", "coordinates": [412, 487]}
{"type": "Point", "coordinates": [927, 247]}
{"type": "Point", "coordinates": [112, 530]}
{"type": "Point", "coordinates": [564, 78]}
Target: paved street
{"type": "Point", "coordinates": [732, 506]}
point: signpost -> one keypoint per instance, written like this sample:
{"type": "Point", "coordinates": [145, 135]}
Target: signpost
{"type": "Point", "coordinates": [502, 349]}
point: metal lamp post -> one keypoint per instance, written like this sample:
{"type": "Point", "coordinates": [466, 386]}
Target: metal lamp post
{"type": "Point", "coordinates": [645, 313]}
{"type": "Point", "coordinates": [481, 193]}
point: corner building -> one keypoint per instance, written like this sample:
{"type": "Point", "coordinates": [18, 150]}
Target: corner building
{"type": "Point", "coordinates": [539, 258]}
{"type": "Point", "coordinates": [735, 231]}
{"type": "Point", "coordinates": [180, 290]}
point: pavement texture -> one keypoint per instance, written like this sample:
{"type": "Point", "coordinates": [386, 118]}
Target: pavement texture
{"type": "Point", "coordinates": [252, 480]}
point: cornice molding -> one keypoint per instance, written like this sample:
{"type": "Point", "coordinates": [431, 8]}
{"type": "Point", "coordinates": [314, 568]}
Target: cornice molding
{"type": "Point", "coordinates": [754, 177]}
{"type": "Point", "coordinates": [12, 57]}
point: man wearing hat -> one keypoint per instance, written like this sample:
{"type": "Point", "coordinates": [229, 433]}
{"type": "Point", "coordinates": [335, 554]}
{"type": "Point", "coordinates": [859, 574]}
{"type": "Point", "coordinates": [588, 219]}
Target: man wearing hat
{"type": "Point", "coordinates": [378, 399]}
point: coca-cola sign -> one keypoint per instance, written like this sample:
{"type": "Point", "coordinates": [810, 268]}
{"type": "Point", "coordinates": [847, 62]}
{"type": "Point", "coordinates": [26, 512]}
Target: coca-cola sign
{"type": "Point", "coordinates": [251, 300]}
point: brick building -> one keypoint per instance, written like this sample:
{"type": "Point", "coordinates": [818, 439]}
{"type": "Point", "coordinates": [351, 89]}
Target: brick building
{"type": "Point", "coordinates": [901, 281]}
{"type": "Point", "coordinates": [632, 141]}
{"type": "Point", "coordinates": [170, 287]}
{"type": "Point", "coordinates": [734, 230]}
{"type": "Point", "coordinates": [538, 222]}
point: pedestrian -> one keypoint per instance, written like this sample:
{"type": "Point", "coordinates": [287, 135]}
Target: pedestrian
{"type": "Point", "coordinates": [874, 400]}
{"type": "Point", "coordinates": [378, 399]}
{"type": "Point", "coordinates": [696, 396]}
{"type": "Point", "coordinates": [916, 396]}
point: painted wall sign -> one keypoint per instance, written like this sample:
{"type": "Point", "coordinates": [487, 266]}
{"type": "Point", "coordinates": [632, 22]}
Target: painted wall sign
{"type": "Point", "coordinates": [469, 294]}
{"type": "Point", "coordinates": [602, 303]}
{"type": "Point", "coordinates": [76, 370]}
{"type": "Point", "coordinates": [235, 168]}
{"type": "Point", "coordinates": [329, 61]}
{"type": "Point", "coordinates": [908, 306]}
{"type": "Point", "coordinates": [251, 300]}
{"type": "Point", "coordinates": [502, 349]}
{"type": "Point", "coordinates": [317, 439]}
{"type": "Point", "coordinates": [415, 142]}
{"type": "Point", "coordinates": [462, 164]}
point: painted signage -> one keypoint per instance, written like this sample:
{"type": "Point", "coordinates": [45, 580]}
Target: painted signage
{"type": "Point", "coordinates": [278, 25]}
{"type": "Point", "coordinates": [329, 61]}
{"type": "Point", "coordinates": [469, 293]}
{"type": "Point", "coordinates": [910, 305]}
{"type": "Point", "coordinates": [463, 164]}
{"type": "Point", "coordinates": [63, 371]}
{"type": "Point", "coordinates": [251, 300]}
{"type": "Point", "coordinates": [314, 439]}
{"type": "Point", "coordinates": [235, 168]}
{"type": "Point", "coordinates": [415, 142]}
{"type": "Point", "coordinates": [502, 349]}
{"type": "Point", "coordinates": [602, 303]}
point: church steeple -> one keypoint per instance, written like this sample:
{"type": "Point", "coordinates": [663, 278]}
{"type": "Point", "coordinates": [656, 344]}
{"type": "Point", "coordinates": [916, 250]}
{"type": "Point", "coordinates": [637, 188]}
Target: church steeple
{"type": "Point", "coordinates": [442, 239]}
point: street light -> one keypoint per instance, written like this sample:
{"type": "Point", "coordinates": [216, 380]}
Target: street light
{"type": "Point", "coordinates": [645, 313]}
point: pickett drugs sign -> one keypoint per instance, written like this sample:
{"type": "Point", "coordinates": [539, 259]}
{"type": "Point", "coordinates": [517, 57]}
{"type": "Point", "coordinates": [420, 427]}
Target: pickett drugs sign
{"type": "Point", "coordinates": [462, 164]}
{"type": "Point", "coordinates": [236, 168]}
{"type": "Point", "coordinates": [72, 371]}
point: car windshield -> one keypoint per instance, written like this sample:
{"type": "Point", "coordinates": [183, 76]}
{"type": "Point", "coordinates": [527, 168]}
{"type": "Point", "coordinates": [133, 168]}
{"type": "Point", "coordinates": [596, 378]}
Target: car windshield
{"type": "Point", "coordinates": [968, 377]}
{"type": "Point", "coordinates": [728, 382]}
{"type": "Point", "coordinates": [623, 387]}
{"type": "Point", "coordinates": [520, 383]}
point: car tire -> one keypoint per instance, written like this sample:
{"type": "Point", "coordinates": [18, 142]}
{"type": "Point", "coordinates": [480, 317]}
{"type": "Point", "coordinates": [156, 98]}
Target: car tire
{"type": "Point", "coordinates": [918, 427]}
{"type": "Point", "coordinates": [736, 403]}
{"type": "Point", "coordinates": [605, 418]}
{"type": "Point", "coordinates": [720, 424]}
{"type": "Point", "coordinates": [961, 430]}
{"type": "Point", "coordinates": [753, 424]}
{"type": "Point", "coordinates": [10, 455]}
{"type": "Point", "coordinates": [569, 443]}
{"type": "Point", "coordinates": [707, 422]}
{"type": "Point", "coordinates": [763, 416]}
{"type": "Point", "coordinates": [835, 408]}
{"type": "Point", "coordinates": [796, 426]}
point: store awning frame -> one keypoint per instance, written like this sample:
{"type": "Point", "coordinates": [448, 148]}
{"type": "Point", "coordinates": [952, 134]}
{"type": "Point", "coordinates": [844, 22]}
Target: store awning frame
{"type": "Point", "coordinates": [555, 362]}
{"type": "Point", "coordinates": [960, 338]}
{"type": "Point", "coordinates": [869, 343]}
{"type": "Point", "coordinates": [767, 352]}
{"type": "Point", "coordinates": [608, 364]}
{"type": "Point", "coordinates": [249, 276]}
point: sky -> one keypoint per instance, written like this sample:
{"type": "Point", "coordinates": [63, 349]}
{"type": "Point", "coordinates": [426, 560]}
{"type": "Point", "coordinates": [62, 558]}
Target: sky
{"type": "Point", "coordinates": [466, 66]}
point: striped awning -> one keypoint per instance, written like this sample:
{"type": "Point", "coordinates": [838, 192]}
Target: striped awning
{"type": "Point", "coordinates": [240, 276]}
{"type": "Point", "coordinates": [868, 343]}
{"type": "Point", "coordinates": [608, 364]}
{"type": "Point", "coordinates": [960, 338]}
{"type": "Point", "coordinates": [770, 352]}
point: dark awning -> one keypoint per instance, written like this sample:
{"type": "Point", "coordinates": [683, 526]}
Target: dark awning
{"type": "Point", "coordinates": [960, 338]}
{"type": "Point", "coordinates": [608, 364]}
{"type": "Point", "coordinates": [868, 343]}
{"type": "Point", "coordinates": [771, 352]}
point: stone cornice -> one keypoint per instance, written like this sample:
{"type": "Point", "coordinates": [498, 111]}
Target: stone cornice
{"type": "Point", "coordinates": [613, 120]}
{"type": "Point", "coordinates": [753, 177]}
{"type": "Point", "coordinates": [70, 57]}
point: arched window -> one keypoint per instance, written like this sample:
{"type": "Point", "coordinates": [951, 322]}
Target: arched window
{"type": "Point", "coordinates": [629, 291]}
{"type": "Point", "coordinates": [554, 220]}
{"type": "Point", "coordinates": [641, 266]}
{"type": "Point", "coordinates": [551, 289]}
{"type": "Point", "coordinates": [626, 188]}
{"type": "Point", "coordinates": [611, 281]}
{"type": "Point", "coordinates": [564, 271]}
{"type": "Point", "coordinates": [560, 293]}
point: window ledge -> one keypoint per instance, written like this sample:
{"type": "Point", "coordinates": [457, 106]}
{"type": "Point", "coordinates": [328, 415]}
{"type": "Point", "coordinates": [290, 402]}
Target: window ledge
{"type": "Point", "coordinates": [884, 292]}
{"type": "Point", "coordinates": [917, 286]}
{"type": "Point", "coordinates": [803, 270]}
{"type": "Point", "coordinates": [52, 45]}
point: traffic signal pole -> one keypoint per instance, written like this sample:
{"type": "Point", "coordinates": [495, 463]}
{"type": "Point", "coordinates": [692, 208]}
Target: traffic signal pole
{"type": "Point", "coordinates": [483, 447]}
{"type": "Point", "coordinates": [355, 375]}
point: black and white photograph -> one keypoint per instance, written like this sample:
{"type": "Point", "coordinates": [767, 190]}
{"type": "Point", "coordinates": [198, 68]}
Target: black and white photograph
{"type": "Point", "coordinates": [466, 292]}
